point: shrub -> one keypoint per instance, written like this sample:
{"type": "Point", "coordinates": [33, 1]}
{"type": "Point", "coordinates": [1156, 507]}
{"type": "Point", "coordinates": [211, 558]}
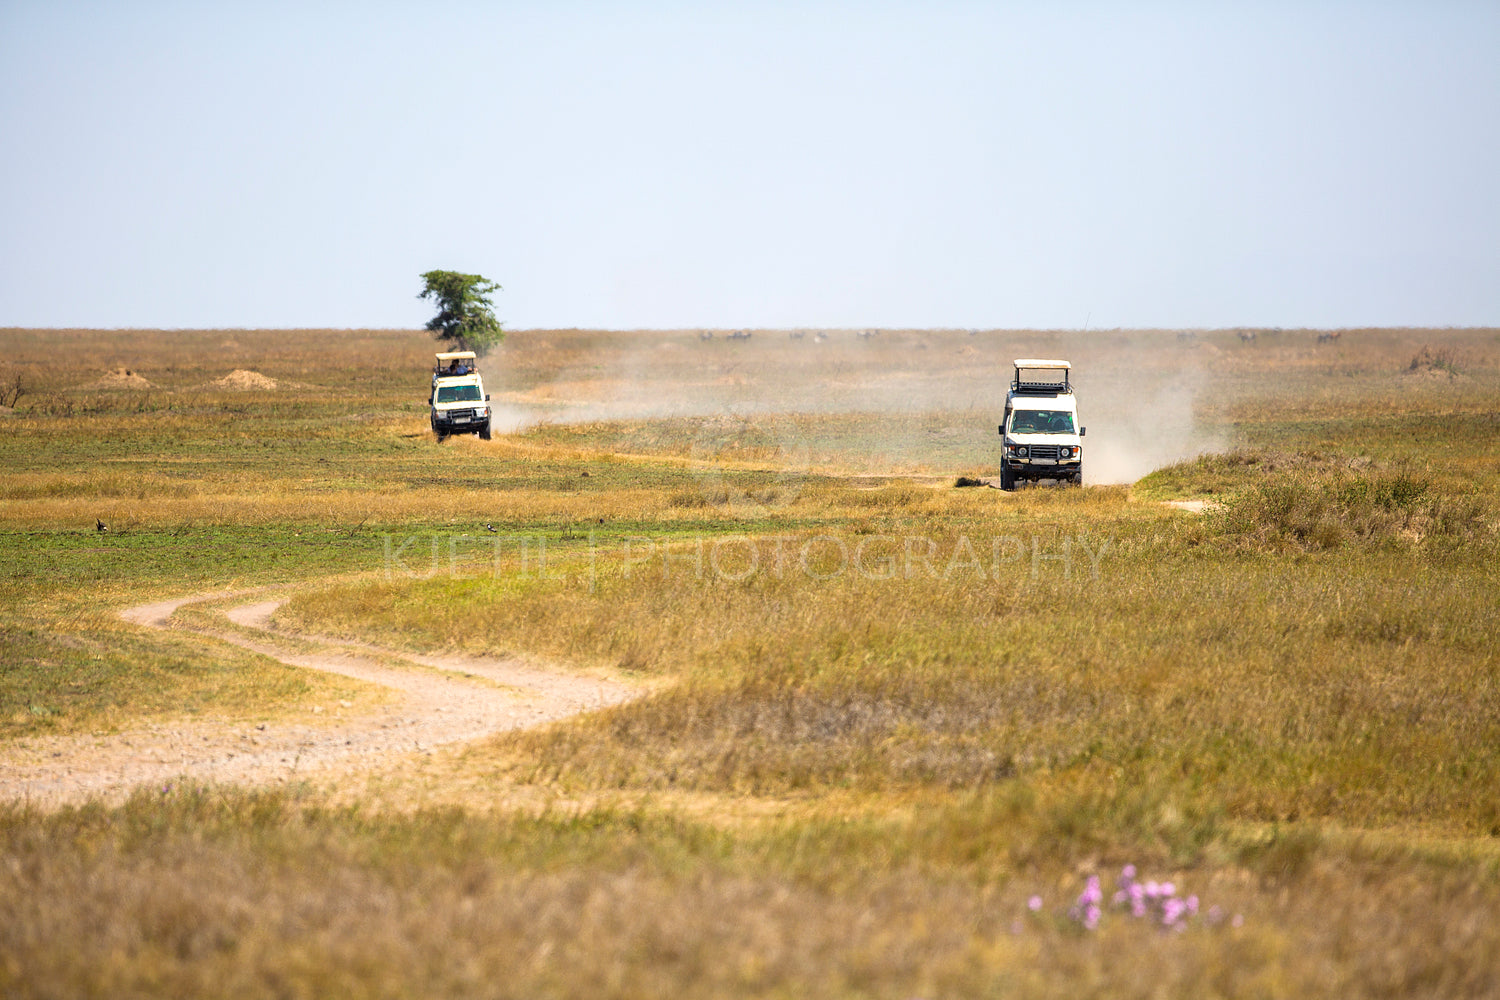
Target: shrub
{"type": "Point", "coordinates": [1427, 359]}
{"type": "Point", "coordinates": [1317, 515]}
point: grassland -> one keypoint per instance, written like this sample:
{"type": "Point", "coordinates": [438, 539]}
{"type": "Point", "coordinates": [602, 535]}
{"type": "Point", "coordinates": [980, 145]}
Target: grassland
{"type": "Point", "coordinates": [899, 725]}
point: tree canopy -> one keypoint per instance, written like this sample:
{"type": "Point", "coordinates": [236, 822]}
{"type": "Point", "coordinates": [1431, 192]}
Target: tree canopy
{"type": "Point", "coordinates": [465, 317]}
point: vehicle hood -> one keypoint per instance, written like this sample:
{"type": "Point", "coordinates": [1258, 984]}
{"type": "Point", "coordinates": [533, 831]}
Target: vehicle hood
{"type": "Point", "coordinates": [1043, 438]}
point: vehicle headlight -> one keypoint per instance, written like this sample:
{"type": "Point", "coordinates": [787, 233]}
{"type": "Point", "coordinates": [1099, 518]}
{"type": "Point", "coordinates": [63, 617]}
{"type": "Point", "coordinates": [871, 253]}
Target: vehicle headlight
{"type": "Point", "coordinates": [1065, 452]}
{"type": "Point", "coordinates": [1022, 451]}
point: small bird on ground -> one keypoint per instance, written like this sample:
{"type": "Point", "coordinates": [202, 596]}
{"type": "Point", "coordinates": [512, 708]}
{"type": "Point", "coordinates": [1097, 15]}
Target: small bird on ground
{"type": "Point", "coordinates": [100, 525]}
{"type": "Point", "coordinates": [490, 527]}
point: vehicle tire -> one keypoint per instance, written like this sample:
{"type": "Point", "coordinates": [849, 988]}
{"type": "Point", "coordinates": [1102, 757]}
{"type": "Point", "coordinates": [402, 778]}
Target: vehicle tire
{"type": "Point", "coordinates": [1078, 477]}
{"type": "Point", "coordinates": [1007, 478]}
{"type": "Point", "coordinates": [484, 433]}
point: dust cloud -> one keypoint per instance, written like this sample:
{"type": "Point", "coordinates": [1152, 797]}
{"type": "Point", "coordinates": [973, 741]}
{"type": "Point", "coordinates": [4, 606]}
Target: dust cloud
{"type": "Point", "coordinates": [510, 419]}
{"type": "Point", "coordinates": [1134, 429]}
{"type": "Point", "coordinates": [934, 396]}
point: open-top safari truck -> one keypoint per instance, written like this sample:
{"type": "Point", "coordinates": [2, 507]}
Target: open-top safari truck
{"type": "Point", "coordinates": [1041, 435]}
{"type": "Point", "coordinates": [458, 402]}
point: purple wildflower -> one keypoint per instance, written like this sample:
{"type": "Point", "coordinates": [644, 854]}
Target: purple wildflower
{"type": "Point", "coordinates": [1171, 910]}
{"type": "Point", "coordinates": [1150, 899]}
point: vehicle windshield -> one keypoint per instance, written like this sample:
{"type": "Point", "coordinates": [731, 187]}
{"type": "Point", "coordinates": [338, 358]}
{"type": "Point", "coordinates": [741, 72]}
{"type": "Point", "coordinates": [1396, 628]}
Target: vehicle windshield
{"type": "Point", "coordinates": [1041, 422]}
{"type": "Point", "coordinates": [458, 394]}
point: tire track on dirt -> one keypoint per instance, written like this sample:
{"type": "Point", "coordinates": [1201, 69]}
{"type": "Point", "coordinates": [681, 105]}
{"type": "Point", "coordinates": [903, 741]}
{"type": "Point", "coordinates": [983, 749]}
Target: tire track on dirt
{"type": "Point", "coordinates": [436, 701]}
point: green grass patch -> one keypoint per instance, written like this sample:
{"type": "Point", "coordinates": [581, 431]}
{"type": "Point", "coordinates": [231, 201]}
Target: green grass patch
{"type": "Point", "coordinates": [100, 679]}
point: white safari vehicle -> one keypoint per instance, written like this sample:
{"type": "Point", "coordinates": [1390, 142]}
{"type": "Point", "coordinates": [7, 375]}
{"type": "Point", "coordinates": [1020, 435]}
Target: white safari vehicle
{"type": "Point", "coordinates": [458, 401]}
{"type": "Point", "coordinates": [1041, 435]}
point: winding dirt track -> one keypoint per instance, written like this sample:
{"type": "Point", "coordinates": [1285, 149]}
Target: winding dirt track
{"type": "Point", "coordinates": [436, 701]}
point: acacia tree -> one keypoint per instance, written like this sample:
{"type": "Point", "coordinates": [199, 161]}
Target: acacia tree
{"type": "Point", "coordinates": [465, 318]}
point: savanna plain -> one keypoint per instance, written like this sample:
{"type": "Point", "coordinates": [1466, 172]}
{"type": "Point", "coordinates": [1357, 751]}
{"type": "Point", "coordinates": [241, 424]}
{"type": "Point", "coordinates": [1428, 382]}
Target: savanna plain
{"type": "Point", "coordinates": [1222, 722]}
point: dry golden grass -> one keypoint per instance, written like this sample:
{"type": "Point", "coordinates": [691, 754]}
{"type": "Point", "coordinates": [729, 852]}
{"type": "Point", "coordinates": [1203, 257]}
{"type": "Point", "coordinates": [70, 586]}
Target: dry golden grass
{"type": "Point", "coordinates": [198, 892]}
{"type": "Point", "coordinates": [1307, 703]}
{"type": "Point", "coordinates": [854, 781]}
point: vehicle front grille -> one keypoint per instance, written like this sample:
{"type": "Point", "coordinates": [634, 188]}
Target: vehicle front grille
{"type": "Point", "coordinates": [1044, 451]}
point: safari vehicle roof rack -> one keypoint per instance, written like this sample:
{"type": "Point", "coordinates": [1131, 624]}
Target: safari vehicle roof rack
{"type": "Point", "coordinates": [1038, 377]}
{"type": "Point", "coordinates": [447, 358]}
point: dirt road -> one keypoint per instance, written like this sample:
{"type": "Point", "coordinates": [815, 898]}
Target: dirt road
{"type": "Point", "coordinates": [435, 701]}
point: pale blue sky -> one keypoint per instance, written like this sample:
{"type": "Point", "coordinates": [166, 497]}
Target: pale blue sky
{"type": "Point", "coordinates": [812, 164]}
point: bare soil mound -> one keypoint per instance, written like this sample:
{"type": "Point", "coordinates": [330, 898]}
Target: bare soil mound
{"type": "Point", "coordinates": [243, 379]}
{"type": "Point", "coordinates": [121, 378]}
